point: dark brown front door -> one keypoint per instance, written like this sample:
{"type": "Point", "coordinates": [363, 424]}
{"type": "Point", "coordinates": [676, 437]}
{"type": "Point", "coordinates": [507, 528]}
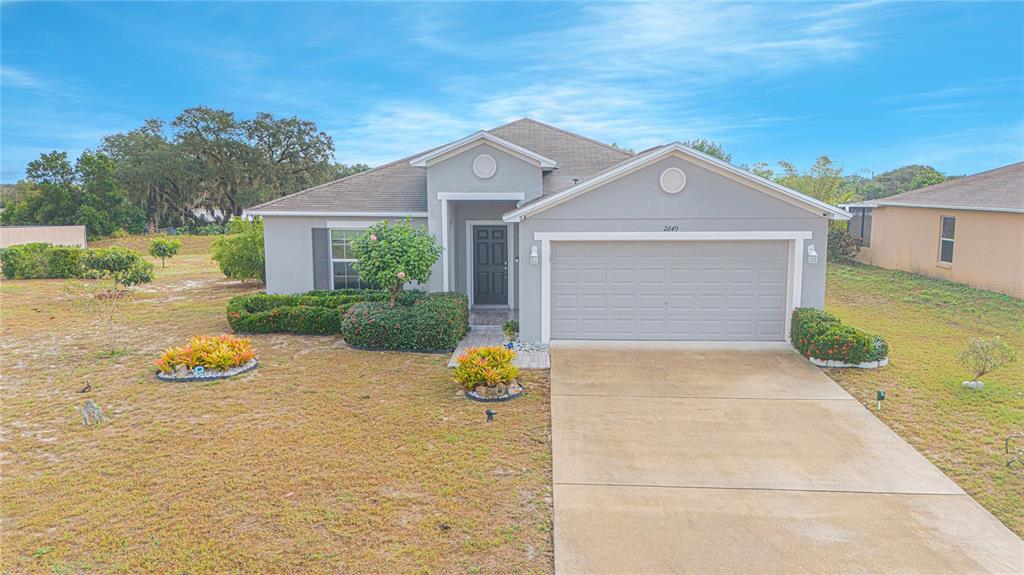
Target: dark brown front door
{"type": "Point", "coordinates": [490, 265]}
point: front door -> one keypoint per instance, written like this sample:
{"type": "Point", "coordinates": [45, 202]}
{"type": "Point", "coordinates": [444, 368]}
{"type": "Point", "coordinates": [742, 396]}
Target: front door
{"type": "Point", "coordinates": [490, 265]}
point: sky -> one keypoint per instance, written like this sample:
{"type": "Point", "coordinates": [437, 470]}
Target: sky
{"type": "Point", "coordinates": [873, 85]}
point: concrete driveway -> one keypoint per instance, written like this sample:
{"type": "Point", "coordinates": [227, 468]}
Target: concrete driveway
{"type": "Point", "coordinates": [706, 458]}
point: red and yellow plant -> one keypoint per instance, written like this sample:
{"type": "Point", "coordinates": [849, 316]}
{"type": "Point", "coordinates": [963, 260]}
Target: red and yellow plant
{"type": "Point", "coordinates": [210, 351]}
{"type": "Point", "coordinates": [488, 366]}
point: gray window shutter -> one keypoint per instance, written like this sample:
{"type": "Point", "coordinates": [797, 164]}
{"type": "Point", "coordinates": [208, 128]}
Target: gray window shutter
{"type": "Point", "coordinates": [321, 259]}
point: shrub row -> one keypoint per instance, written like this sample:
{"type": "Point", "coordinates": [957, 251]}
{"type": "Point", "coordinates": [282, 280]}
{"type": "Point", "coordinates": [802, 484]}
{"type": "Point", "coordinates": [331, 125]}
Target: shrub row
{"type": "Point", "coordinates": [819, 334]}
{"type": "Point", "coordinates": [314, 312]}
{"type": "Point", "coordinates": [42, 261]}
{"type": "Point", "coordinates": [433, 322]}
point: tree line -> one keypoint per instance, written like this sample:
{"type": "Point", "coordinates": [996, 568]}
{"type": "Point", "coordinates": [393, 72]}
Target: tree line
{"type": "Point", "coordinates": [205, 166]}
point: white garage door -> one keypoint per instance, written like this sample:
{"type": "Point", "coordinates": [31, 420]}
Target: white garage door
{"type": "Point", "coordinates": [681, 290]}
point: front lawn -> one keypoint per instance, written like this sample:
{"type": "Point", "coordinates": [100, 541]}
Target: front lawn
{"type": "Point", "coordinates": [323, 460]}
{"type": "Point", "coordinates": [927, 322]}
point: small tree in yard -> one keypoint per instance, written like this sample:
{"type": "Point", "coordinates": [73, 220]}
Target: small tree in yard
{"type": "Point", "coordinates": [164, 248]}
{"type": "Point", "coordinates": [240, 253]}
{"type": "Point", "coordinates": [984, 355]}
{"type": "Point", "coordinates": [126, 269]}
{"type": "Point", "coordinates": [388, 256]}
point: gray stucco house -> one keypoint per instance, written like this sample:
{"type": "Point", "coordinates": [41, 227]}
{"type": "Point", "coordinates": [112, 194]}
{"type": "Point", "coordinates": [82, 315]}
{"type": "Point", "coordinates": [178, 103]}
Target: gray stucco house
{"type": "Point", "coordinates": [580, 239]}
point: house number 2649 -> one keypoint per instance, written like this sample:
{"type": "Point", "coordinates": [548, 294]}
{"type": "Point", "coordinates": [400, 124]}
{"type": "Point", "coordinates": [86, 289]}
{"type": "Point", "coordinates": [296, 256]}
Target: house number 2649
{"type": "Point", "coordinates": [671, 228]}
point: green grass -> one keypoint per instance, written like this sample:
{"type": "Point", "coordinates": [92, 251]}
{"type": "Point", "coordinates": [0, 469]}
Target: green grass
{"type": "Point", "coordinates": [927, 322]}
{"type": "Point", "coordinates": [323, 460]}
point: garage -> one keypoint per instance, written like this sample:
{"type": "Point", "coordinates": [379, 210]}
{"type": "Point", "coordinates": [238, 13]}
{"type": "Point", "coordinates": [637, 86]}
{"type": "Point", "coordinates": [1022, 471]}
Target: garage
{"type": "Point", "coordinates": [669, 290]}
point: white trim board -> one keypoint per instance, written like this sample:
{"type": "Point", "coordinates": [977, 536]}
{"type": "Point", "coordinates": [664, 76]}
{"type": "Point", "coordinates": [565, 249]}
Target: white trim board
{"type": "Point", "coordinates": [509, 250]}
{"type": "Point", "coordinates": [442, 153]}
{"type": "Point", "coordinates": [794, 285]}
{"type": "Point", "coordinates": [768, 187]}
{"type": "Point", "coordinates": [340, 214]}
{"type": "Point", "coordinates": [883, 204]}
{"type": "Point", "coordinates": [481, 196]}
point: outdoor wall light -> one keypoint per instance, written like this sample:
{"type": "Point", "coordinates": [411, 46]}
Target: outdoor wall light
{"type": "Point", "coordinates": [812, 256]}
{"type": "Point", "coordinates": [534, 258]}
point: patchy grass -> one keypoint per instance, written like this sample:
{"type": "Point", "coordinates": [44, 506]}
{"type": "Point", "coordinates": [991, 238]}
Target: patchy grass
{"type": "Point", "coordinates": [324, 460]}
{"type": "Point", "coordinates": [927, 323]}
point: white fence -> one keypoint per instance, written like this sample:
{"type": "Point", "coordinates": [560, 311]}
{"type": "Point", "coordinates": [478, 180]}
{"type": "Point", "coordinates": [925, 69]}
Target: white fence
{"type": "Point", "coordinates": [56, 235]}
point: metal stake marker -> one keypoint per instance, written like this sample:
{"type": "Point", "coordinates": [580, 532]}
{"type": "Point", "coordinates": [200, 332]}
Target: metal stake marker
{"type": "Point", "coordinates": [880, 397]}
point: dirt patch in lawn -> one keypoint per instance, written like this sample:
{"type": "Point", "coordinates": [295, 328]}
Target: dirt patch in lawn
{"type": "Point", "coordinates": [927, 323]}
{"type": "Point", "coordinates": [324, 460]}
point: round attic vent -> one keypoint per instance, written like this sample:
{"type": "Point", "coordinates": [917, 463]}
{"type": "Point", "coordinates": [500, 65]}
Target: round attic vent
{"type": "Point", "coordinates": [672, 181]}
{"type": "Point", "coordinates": [484, 166]}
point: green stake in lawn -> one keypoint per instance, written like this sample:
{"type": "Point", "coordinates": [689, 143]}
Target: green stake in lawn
{"type": "Point", "coordinates": [880, 397]}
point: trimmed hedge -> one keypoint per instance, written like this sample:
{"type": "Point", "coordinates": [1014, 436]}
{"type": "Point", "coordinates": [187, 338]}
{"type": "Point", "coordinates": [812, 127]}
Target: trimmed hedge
{"type": "Point", "coordinates": [819, 334]}
{"type": "Point", "coordinates": [434, 322]}
{"type": "Point", "coordinates": [314, 312]}
{"type": "Point", "coordinates": [42, 261]}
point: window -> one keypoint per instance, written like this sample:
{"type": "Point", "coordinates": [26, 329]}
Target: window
{"type": "Point", "coordinates": [946, 236]}
{"type": "Point", "coordinates": [860, 225]}
{"type": "Point", "coordinates": [342, 259]}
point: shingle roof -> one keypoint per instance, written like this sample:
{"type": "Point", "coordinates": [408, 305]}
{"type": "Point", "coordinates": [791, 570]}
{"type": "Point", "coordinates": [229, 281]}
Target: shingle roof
{"type": "Point", "coordinates": [399, 187]}
{"type": "Point", "coordinates": [1001, 189]}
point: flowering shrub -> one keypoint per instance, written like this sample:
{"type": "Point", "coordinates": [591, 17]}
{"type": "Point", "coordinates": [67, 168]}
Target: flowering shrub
{"type": "Point", "coordinates": [819, 334]}
{"type": "Point", "coordinates": [488, 366]}
{"type": "Point", "coordinates": [218, 352]}
{"type": "Point", "coordinates": [389, 256]}
{"type": "Point", "coordinates": [314, 312]}
{"type": "Point", "coordinates": [430, 322]}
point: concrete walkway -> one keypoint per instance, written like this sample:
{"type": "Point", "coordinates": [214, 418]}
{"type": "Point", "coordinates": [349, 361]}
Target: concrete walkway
{"type": "Point", "coordinates": [706, 458]}
{"type": "Point", "coordinates": [485, 329]}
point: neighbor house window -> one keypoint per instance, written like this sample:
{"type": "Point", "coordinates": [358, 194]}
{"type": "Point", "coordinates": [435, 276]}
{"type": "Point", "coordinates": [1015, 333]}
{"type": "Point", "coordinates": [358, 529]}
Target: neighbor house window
{"type": "Point", "coordinates": [342, 259]}
{"type": "Point", "coordinates": [860, 225]}
{"type": "Point", "coordinates": [946, 237]}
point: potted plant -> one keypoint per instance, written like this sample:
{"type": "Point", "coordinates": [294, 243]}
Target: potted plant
{"type": "Point", "coordinates": [984, 355]}
{"type": "Point", "coordinates": [487, 373]}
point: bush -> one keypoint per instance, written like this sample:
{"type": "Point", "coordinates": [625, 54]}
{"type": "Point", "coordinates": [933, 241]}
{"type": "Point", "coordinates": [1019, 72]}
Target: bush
{"type": "Point", "coordinates": [240, 254]}
{"type": "Point", "coordinates": [488, 366]}
{"type": "Point", "coordinates": [984, 355]}
{"type": "Point", "coordinates": [218, 352]}
{"type": "Point", "coordinates": [388, 256]}
{"type": "Point", "coordinates": [125, 266]}
{"type": "Point", "coordinates": [819, 334]}
{"type": "Point", "coordinates": [434, 322]}
{"type": "Point", "coordinates": [510, 329]}
{"type": "Point", "coordinates": [41, 261]}
{"type": "Point", "coordinates": [164, 248]}
{"type": "Point", "coordinates": [315, 312]}
{"type": "Point", "coordinates": [842, 246]}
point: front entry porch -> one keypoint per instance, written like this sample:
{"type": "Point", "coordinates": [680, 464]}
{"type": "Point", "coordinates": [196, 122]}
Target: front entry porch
{"type": "Point", "coordinates": [480, 252]}
{"type": "Point", "coordinates": [485, 329]}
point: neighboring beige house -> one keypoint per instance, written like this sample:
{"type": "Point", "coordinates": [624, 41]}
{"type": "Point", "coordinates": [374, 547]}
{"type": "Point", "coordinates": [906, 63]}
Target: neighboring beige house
{"type": "Point", "coordinates": [968, 230]}
{"type": "Point", "coordinates": [56, 235]}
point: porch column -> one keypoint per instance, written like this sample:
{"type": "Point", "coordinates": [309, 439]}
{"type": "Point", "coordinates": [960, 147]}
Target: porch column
{"type": "Point", "coordinates": [444, 244]}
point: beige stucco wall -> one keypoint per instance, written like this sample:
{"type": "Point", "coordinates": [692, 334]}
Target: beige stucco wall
{"type": "Point", "coordinates": [988, 251]}
{"type": "Point", "coordinates": [56, 235]}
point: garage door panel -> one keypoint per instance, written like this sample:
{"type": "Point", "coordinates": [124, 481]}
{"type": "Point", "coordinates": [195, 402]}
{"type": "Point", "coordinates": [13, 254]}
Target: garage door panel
{"type": "Point", "coordinates": [669, 290]}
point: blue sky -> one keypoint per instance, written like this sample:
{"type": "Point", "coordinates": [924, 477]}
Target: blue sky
{"type": "Point", "coordinates": [873, 85]}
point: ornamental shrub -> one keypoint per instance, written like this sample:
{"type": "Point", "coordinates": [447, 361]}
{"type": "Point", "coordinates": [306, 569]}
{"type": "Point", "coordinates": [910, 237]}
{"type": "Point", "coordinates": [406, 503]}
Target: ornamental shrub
{"type": "Point", "coordinates": [218, 352]}
{"type": "Point", "coordinates": [488, 366]}
{"type": "Point", "coordinates": [125, 266]}
{"type": "Point", "coordinates": [511, 329]}
{"type": "Point", "coordinates": [164, 248]}
{"type": "Point", "coordinates": [842, 245]}
{"type": "Point", "coordinates": [41, 261]}
{"type": "Point", "coordinates": [315, 312]}
{"type": "Point", "coordinates": [819, 334]}
{"type": "Point", "coordinates": [388, 256]}
{"type": "Point", "coordinates": [240, 253]}
{"type": "Point", "coordinates": [433, 322]}
{"type": "Point", "coordinates": [984, 355]}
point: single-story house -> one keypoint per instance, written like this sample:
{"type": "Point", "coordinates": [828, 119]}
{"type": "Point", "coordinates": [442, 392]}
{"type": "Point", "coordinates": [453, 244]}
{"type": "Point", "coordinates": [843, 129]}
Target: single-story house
{"type": "Point", "coordinates": [968, 230]}
{"type": "Point", "coordinates": [582, 240]}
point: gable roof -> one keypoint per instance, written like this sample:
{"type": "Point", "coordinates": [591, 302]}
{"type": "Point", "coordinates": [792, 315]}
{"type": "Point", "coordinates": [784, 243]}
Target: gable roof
{"type": "Point", "coordinates": [453, 148]}
{"type": "Point", "coordinates": [400, 188]}
{"type": "Point", "coordinates": [998, 190]}
{"type": "Point", "coordinates": [647, 158]}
